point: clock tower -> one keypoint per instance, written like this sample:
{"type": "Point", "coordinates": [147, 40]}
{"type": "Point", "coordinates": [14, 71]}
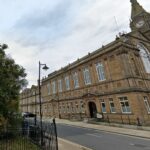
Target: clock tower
{"type": "Point", "coordinates": [140, 19]}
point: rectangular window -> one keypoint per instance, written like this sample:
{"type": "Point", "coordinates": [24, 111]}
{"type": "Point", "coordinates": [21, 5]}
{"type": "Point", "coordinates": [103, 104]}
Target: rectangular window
{"type": "Point", "coordinates": [112, 106]}
{"type": "Point", "coordinates": [81, 107]}
{"type": "Point", "coordinates": [75, 79]}
{"type": "Point", "coordinates": [60, 85]}
{"type": "Point", "coordinates": [48, 88]}
{"type": "Point", "coordinates": [147, 105]}
{"type": "Point", "coordinates": [67, 83]}
{"type": "Point", "coordinates": [103, 106]}
{"type": "Point", "coordinates": [87, 78]}
{"type": "Point", "coordinates": [54, 87]}
{"type": "Point", "coordinates": [100, 71]}
{"type": "Point", "coordinates": [124, 105]}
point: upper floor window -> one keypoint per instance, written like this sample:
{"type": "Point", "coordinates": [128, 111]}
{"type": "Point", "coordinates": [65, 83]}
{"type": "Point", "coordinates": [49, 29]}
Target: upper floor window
{"type": "Point", "coordinates": [60, 85]}
{"type": "Point", "coordinates": [145, 55]}
{"type": "Point", "coordinates": [54, 87]}
{"type": "Point", "coordinates": [48, 88]}
{"type": "Point", "coordinates": [100, 71]}
{"type": "Point", "coordinates": [125, 105]}
{"type": "Point", "coordinates": [87, 78]}
{"type": "Point", "coordinates": [75, 79]}
{"type": "Point", "coordinates": [67, 83]}
{"type": "Point", "coordinates": [147, 104]}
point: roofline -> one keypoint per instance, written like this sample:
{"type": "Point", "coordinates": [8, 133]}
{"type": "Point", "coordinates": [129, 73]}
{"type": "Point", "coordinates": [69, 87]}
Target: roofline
{"type": "Point", "coordinates": [101, 51]}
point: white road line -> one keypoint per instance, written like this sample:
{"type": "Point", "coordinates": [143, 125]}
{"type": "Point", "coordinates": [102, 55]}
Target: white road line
{"type": "Point", "coordinates": [98, 136]}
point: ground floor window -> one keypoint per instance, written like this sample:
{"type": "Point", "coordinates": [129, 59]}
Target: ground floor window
{"type": "Point", "coordinates": [82, 107]}
{"type": "Point", "coordinates": [77, 108]}
{"type": "Point", "coordinates": [103, 106]}
{"type": "Point", "coordinates": [147, 105]}
{"type": "Point", "coordinates": [125, 105]}
{"type": "Point", "coordinates": [112, 106]}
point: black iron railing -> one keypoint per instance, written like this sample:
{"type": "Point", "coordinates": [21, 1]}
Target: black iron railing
{"type": "Point", "coordinates": [28, 137]}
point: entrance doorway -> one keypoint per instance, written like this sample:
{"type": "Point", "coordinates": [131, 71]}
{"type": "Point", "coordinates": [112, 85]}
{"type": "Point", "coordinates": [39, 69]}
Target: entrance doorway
{"type": "Point", "coordinates": [92, 109]}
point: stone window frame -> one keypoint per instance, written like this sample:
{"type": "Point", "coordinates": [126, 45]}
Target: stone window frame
{"type": "Point", "coordinates": [124, 101]}
{"type": "Point", "coordinates": [100, 71]}
{"type": "Point", "coordinates": [87, 76]}
{"type": "Point", "coordinates": [67, 83]}
{"type": "Point", "coordinates": [147, 104]}
{"type": "Point", "coordinates": [75, 80]}
{"type": "Point", "coordinates": [103, 102]}
{"type": "Point", "coordinates": [82, 107]}
{"type": "Point", "coordinates": [142, 47]}
{"type": "Point", "coordinates": [111, 100]}
{"type": "Point", "coordinates": [48, 88]}
{"type": "Point", "coordinates": [54, 87]}
{"type": "Point", "coordinates": [60, 85]}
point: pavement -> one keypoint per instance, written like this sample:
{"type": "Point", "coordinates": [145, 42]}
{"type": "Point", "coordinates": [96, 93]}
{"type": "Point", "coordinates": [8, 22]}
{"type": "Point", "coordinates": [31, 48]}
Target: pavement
{"type": "Point", "coordinates": [67, 145]}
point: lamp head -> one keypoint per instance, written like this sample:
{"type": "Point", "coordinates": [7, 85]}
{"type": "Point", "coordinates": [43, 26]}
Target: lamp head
{"type": "Point", "coordinates": [45, 67]}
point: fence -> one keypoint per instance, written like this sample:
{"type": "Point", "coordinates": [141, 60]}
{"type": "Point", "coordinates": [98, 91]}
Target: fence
{"type": "Point", "coordinates": [29, 137]}
{"type": "Point", "coordinates": [129, 119]}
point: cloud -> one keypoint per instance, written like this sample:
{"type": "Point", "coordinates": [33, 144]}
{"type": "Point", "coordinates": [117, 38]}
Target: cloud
{"type": "Point", "coordinates": [58, 32]}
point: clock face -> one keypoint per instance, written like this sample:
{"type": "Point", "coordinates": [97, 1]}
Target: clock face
{"type": "Point", "coordinates": [140, 23]}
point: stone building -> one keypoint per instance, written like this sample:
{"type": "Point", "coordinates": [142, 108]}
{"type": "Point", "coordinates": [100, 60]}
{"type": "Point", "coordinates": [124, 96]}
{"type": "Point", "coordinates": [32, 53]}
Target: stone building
{"type": "Point", "coordinates": [112, 82]}
{"type": "Point", "coordinates": [29, 100]}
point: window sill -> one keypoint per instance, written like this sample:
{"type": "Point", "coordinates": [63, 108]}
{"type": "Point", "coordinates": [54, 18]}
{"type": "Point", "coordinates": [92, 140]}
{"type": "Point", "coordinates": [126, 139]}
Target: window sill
{"type": "Point", "coordinates": [126, 112]}
{"type": "Point", "coordinates": [101, 80]}
{"type": "Point", "coordinates": [88, 84]}
{"type": "Point", "coordinates": [76, 87]}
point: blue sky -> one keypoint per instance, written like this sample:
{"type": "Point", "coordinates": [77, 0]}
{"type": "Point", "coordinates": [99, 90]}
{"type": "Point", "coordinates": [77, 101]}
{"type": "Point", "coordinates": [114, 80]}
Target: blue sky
{"type": "Point", "coordinates": [61, 31]}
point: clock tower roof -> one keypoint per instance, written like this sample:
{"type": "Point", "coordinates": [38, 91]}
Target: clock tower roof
{"type": "Point", "coordinates": [140, 18]}
{"type": "Point", "coordinates": [136, 9]}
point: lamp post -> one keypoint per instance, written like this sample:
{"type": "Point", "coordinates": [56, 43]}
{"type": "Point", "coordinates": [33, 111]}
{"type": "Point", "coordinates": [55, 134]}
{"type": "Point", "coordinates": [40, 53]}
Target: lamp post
{"type": "Point", "coordinates": [35, 111]}
{"type": "Point", "coordinates": [39, 85]}
{"type": "Point", "coordinates": [35, 102]}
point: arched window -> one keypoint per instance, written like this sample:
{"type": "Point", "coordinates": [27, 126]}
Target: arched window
{"type": "Point", "coordinates": [145, 55]}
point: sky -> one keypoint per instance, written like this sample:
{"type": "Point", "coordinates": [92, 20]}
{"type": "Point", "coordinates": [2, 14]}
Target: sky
{"type": "Point", "coordinates": [58, 32]}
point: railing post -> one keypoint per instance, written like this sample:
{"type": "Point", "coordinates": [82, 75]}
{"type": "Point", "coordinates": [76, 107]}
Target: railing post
{"type": "Point", "coordinates": [108, 119]}
{"type": "Point", "coordinates": [122, 119]}
{"type": "Point", "coordinates": [129, 119]}
{"type": "Point", "coordinates": [55, 129]}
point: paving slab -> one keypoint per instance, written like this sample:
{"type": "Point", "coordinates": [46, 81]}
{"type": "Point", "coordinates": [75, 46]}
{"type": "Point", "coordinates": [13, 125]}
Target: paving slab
{"type": "Point", "coordinates": [67, 145]}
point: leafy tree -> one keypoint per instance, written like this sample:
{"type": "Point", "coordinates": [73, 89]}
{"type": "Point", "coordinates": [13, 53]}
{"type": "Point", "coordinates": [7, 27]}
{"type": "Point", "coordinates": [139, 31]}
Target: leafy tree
{"type": "Point", "coordinates": [12, 80]}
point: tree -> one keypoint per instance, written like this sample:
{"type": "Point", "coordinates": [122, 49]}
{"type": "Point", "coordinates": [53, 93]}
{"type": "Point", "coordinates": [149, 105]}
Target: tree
{"type": "Point", "coordinates": [12, 80]}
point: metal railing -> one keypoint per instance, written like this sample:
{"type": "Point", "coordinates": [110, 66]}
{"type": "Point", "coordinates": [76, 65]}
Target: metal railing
{"type": "Point", "coordinates": [28, 137]}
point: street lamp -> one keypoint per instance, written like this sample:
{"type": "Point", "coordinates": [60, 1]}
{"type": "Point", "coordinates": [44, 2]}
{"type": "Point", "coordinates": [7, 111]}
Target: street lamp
{"type": "Point", "coordinates": [39, 85]}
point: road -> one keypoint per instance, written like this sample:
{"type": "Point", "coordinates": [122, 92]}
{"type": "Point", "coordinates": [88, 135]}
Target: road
{"type": "Point", "coordinates": [100, 140]}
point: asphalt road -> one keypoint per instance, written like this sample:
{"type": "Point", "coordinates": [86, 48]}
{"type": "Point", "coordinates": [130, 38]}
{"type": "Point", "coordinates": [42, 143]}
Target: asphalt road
{"type": "Point", "coordinates": [100, 140]}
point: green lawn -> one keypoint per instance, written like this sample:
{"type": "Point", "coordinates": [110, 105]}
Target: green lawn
{"type": "Point", "coordinates": [18, 144]}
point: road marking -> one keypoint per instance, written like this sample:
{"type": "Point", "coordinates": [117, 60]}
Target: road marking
{"type": "Point", "coordinates": [140, 145]}
{"type": "Point", "coordinates": [98, 136]}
